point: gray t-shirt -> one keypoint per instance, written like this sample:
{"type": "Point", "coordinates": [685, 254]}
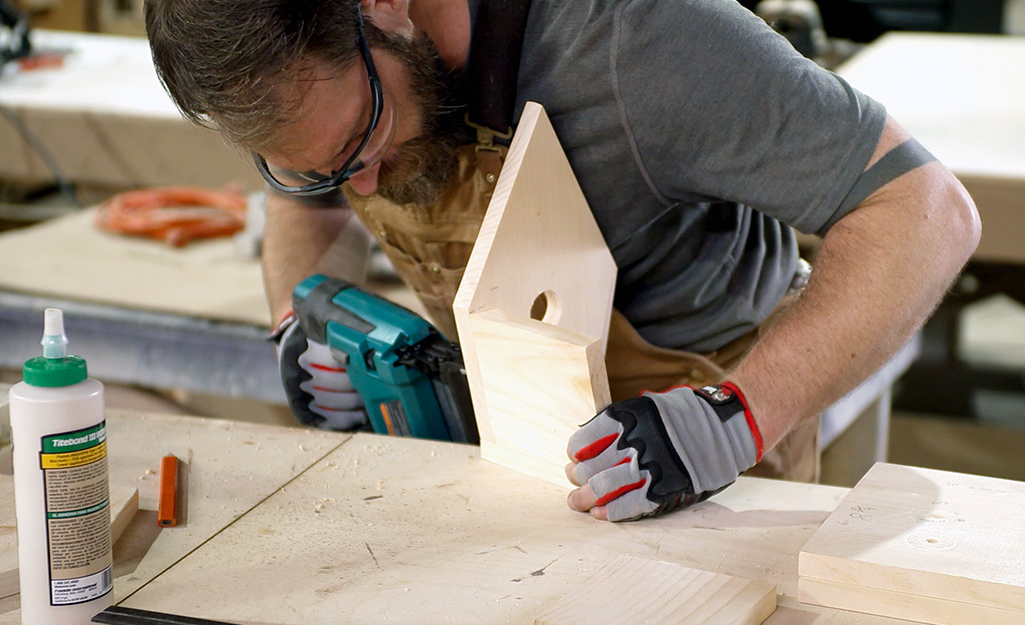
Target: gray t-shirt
{"type": "Point", "coordinates": [696, 133]}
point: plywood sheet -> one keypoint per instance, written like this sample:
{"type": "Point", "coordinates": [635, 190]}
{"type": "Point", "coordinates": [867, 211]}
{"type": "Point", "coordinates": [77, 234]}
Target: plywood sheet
{"type": "Point", "coordinates": [952, 93]}
{"type": "Point", "coordinates": [542, 271]}
{"type": "Point", "coordinates": [70, 259]}
{"type": "Point", "coordinates": [107, 120]}
{"type": "Point", "coordinates": [634, 590]}
{"type": "Point", "coordinates": [397, 530]}
{"type": "Point", "coordinates": [124, 502]}
{"type": "Point", "coordinates": [232, 467]}
{"type": "Point", "coordinates": [923, 534]}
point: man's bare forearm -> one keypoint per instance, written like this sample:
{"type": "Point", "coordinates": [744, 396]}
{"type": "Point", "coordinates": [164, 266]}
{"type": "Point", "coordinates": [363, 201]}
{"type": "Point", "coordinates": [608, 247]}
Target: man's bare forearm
{"type": "Point", "coordinates": [300, 241]}
{"type": "Point", "coordinates": [878, 275]}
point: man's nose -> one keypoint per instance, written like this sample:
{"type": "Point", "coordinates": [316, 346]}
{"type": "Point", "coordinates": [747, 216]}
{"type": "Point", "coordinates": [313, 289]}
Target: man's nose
{"type": "Point", "coordinates": [364, 182]}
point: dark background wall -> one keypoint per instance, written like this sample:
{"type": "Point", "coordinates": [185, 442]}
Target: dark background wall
{"type": "Point", "coordinates": [864, 20]}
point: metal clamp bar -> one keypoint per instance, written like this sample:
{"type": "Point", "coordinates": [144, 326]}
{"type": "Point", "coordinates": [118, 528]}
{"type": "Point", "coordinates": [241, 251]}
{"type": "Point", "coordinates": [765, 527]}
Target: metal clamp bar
{"type": "Point", "coordinates": [116, 615]}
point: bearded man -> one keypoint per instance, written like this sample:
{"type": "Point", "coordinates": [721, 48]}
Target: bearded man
{"type": "Point", "coordinates": [700, 139]}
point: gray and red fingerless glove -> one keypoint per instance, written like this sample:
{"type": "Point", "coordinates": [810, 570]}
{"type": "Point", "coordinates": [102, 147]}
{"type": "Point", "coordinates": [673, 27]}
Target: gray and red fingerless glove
{"type": "Point", "coordinates": [317, 386]}
{"type": "Point", "coordinates": [664, 451]}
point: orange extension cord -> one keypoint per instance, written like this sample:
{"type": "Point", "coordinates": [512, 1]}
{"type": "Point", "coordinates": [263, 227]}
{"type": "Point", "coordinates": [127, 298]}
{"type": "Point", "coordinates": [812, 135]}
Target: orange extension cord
{"type": "Point", "coordinates": [175, 215]}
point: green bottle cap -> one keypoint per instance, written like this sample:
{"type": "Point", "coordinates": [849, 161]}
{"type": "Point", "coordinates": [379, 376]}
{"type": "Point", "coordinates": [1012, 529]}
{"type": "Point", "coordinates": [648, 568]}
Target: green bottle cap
{"type": "Point", "coordinates": [50, 372]}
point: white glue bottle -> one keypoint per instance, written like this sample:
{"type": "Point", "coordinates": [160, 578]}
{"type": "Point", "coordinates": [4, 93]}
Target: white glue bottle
{"type": "Point", "coordinates": [61, 489]}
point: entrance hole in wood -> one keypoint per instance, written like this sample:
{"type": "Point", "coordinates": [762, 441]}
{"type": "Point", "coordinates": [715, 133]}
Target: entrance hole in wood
{"type": "Point", "coordinates": [546, 308]}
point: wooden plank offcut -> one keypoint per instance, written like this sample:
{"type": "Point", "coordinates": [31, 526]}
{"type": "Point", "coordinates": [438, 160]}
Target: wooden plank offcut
{"type": "Point", "coordinates": [925, 545]}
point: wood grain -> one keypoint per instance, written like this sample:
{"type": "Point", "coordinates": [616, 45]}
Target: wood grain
{"type": "Point", "coordinates": [922, 534]}
{"type": "Point", "coordinates": [541, 383]}
{"type": "Point", "coordinates": [541, 273]}
{"type": "Point", "coordinates": [902, 605]}
{"type": "Point", "coordinates": [396, 530]}
{"type": "Point", "coordinates": [634, 590]}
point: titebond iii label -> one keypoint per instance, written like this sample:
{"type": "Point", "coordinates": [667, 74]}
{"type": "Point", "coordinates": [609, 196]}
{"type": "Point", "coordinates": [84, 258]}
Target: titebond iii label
{"type": "Point", "coordinates": [77, 497]}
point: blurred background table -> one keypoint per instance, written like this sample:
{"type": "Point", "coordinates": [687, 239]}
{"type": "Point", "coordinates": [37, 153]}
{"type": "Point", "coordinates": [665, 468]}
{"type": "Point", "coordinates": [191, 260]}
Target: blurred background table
{"type": "Point", "coordinates": [963, 98]}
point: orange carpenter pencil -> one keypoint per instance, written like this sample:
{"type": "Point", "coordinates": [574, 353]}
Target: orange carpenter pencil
{"type": "Point", "coordinates": [167, 510]}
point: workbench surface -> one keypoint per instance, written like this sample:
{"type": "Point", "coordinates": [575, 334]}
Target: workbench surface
{"type": "Point", "coordinates": [107, 120]}
{"type": "Point", "coordinates": [962, 97]}
{"type": "Point", "coordinates": [70, 258]}
{"type": "Point", "coordinates": [142, 312]}
{"type": "Point", "coordinates": [290, 526]}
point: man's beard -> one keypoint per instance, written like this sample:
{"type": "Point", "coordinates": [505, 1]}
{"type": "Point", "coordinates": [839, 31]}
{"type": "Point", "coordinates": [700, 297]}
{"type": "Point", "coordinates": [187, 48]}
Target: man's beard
{"type": "Point", "coordinates": [420, 172]}
{"type": "Point", "coordinates": [424, 165]}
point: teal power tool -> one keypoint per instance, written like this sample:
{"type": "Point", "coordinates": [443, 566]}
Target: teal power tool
{"type": "Point", "coordinates": [410, 377]}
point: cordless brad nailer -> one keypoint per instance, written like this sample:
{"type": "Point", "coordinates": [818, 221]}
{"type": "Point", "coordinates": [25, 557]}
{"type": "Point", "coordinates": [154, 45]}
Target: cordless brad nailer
{"type": "Point", "coordinates": [410, 378]}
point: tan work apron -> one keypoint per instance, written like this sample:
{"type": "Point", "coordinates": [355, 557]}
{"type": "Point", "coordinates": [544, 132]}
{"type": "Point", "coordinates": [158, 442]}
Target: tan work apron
{"type": "Point", "coordinates": [430, 246]}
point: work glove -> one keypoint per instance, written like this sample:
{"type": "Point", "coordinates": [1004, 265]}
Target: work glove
{"type": "Point", "coordinates": [317, 386]}
{"type": "Point", "coordinates": [662, 451]}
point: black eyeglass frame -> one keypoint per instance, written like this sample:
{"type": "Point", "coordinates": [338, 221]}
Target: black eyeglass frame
{"type": "Point", "coordinates": [343, 173]}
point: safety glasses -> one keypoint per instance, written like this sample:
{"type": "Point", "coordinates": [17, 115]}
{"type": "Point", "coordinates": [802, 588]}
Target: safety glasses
{"type": "Point", "coordinates": [373, 143]}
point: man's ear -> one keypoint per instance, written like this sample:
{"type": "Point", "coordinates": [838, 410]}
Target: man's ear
{"type": "Point", "coordinates": [391, 16]}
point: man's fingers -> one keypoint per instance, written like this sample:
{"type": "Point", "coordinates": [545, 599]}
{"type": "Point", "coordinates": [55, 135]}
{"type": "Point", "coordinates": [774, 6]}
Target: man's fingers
{"type": "Point", "coordinates": [581, 499]}
{"type": "Point", "coordinates": [571, 473]}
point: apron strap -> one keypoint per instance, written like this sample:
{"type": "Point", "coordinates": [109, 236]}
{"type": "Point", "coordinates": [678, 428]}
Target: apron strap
{"type": "Point", "coordinates": [493, 67]}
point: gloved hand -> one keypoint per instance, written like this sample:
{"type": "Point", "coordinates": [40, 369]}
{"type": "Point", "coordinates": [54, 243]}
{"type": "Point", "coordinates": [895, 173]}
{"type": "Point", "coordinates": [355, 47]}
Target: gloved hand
{"type": "Point", "coordinates": [318, 389]}
{"type": "Point", "coordinates": [662, 451]}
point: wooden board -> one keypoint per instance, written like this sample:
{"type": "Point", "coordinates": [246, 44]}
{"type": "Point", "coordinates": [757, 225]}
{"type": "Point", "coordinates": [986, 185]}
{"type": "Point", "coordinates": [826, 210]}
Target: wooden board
{"type": "Point", "coordinates": [70, 259]}
{"type": "Point", "coordinates": [634, 590]}
{"type": "Point", "coordinates": [920, 544]}
{"type": "Point", "coordinates": [521, 354]}
{"type": "Point", "coordinates": [398, 530]}
{"type": "Point", "coordinates": [233, 467]}
{"type": "Point", "coordinates": [124, 502]}
{"type": "Point", "coordinates": [902, 605]}
{"type": "Point", "coordinates": [540, 274]}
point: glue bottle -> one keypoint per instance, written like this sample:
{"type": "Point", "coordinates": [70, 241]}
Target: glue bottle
{"type": "Point", "coordinates": [61, 488]}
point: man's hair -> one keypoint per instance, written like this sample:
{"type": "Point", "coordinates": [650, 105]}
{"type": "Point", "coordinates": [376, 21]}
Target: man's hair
{"type": "Point", "coordinates": [237, 63]}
